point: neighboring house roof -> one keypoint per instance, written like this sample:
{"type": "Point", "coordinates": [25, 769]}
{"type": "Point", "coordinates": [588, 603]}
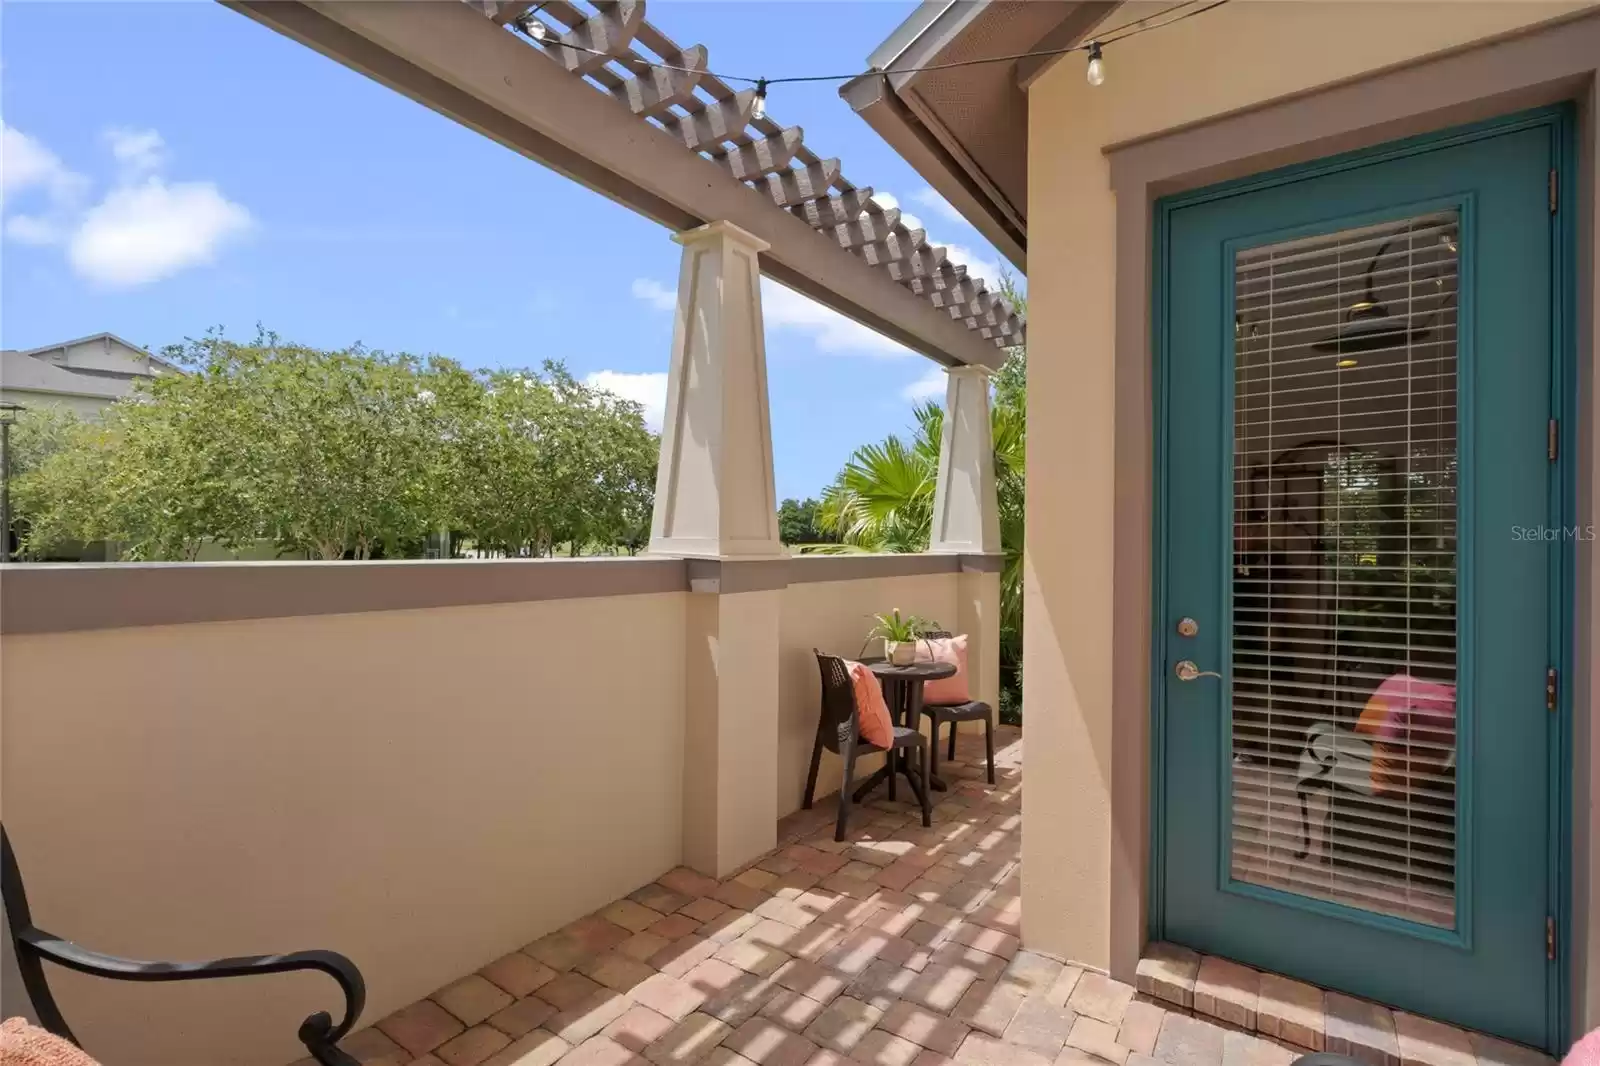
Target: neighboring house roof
{"type": "Point", "coordinates": [34, 371]}
{"type": "Point", "coordinates": [965, 129]}
{"type": "Point", "coordinates": [154, 359]}
{"type": "Point", "coordinates": [22, 372]}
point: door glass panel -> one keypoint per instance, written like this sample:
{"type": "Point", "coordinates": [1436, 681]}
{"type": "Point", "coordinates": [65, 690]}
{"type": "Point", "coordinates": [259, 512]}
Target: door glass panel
{"type": "Point", "coordinates": [1344, 556]}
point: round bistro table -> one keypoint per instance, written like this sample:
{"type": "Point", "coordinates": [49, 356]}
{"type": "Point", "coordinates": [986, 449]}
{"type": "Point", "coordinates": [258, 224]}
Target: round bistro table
{"type": "Point", "coordinates": [902, 691]}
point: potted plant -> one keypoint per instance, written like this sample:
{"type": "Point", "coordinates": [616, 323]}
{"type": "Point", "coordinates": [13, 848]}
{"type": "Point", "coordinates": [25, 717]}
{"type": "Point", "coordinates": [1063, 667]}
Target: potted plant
{"type": "Point", "coordinates": [900, 634]}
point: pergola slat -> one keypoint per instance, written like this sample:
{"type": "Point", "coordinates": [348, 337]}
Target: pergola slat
{"type": "Point", "coordinates": [657, 89]}
{"type": "Point", "coordinates": [714, 125]}
{"type": "Point", "coordinates": [894, 247]}
{"type": "Point", "coordinates": [865, 230]}
{"type": "Point", "coordinates": [609, 33]}
{"type": "Point", "coordinates": [796, 186]}
{"type": "Point", "coordinates": [939, 279]}
{"type": "Point", "coordinates": [503, 11]}
{"type": "Point", "coordinates": [918, 264]}
{"type": "Point", "coordinates": [833, 211]}
{"type": "Point", "coordinates": [748, 162]}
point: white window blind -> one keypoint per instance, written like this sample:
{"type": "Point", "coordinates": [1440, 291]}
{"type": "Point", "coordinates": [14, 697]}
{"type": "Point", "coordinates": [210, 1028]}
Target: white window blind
{"type": "Point", "coordinates": [1344, 582]}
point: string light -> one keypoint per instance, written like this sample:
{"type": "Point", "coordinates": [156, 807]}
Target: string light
{"type": "Point", "coordinates": [1096, 72]}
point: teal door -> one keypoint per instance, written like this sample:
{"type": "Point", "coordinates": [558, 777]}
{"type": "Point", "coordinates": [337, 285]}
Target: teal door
{"type": "Point", "coordinates": [1359, 590]}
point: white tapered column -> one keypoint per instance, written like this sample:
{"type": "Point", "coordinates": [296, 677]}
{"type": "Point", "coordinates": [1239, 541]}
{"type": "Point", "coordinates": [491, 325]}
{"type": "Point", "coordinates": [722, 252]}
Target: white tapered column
{"type": "Point", "coordinates": [966, 514]}
{"type": "Point", "coordinates": [715, 495]}
{"type": "Point", "coordinates": [966, 520]}
{"type": "Point", "coordinates": [715, 500]}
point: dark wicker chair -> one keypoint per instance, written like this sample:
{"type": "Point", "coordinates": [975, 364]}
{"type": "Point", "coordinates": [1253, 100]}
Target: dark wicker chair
{"type": "Point", "coordinates": [34, 947]}
{"type": "Point", "coordinates": [955, 714]}
{"type": "Point", "coordinates": [836, 730]}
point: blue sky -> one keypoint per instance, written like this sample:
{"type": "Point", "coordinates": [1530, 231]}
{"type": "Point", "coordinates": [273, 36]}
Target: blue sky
{"type": "Point", "coordinates": [200, 170]}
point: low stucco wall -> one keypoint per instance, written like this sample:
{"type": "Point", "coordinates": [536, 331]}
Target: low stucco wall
{"type": "Point", "coordinates": [422, 790]}
{"type": "Point", "coordinates": [834, 616]}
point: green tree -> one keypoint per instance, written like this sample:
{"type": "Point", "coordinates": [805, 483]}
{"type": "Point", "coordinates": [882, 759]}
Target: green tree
{"type": "Point", "coordinates": [799, 522]}
{"type": "Point", "coordinates": [343, 453]}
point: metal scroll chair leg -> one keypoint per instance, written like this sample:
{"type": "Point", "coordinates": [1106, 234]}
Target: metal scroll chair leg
{"type": "Point", "coordinates": [951, 754]}
{"type": "Point", "coordinates": [933, 744]}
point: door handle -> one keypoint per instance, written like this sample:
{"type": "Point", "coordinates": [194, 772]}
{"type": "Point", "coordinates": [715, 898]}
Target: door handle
{"type": "Point", "coordinates": [1188, 671]}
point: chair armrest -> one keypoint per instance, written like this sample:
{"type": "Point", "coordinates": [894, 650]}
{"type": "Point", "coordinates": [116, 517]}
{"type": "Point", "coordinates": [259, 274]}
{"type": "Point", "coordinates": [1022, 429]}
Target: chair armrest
{"type": "Point", "coordinates": [317, 1032]}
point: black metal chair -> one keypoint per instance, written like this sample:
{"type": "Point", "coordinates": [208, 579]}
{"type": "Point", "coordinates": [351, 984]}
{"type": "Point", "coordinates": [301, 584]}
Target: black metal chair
{"type": "Point", "coordinates": [34, 947]}
{"type": "Point", "coordinates": [955, 714]}
{"type": "Point", "coordinates": [837, 731]}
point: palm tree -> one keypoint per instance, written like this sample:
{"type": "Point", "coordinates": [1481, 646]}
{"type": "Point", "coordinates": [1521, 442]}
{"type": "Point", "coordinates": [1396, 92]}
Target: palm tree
{"type": "Point", "coordinates": [882, 501]}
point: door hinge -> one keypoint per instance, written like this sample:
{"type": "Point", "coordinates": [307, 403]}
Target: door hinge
{"type": "Point", "coordinates": [1550, 689]}
{"type": "Point", "coordinates": [1550, 938]}
{"type": "Point", "coordinates": [1552, 445]}
{"type": "Point", "coordinates": [1555, 191]}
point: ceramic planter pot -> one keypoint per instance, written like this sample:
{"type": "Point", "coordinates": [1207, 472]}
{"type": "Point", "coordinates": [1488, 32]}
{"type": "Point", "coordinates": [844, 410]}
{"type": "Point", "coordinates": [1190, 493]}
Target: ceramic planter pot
{"type": "Point", "coordinates": [900, 652]}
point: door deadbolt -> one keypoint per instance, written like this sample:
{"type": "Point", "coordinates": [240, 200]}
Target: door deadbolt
{"type": "Point", "coordinates": [1188, 627]}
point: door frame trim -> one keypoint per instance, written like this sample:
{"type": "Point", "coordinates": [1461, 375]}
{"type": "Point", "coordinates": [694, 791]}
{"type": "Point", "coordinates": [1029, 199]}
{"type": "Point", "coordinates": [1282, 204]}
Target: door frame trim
{"type": "Point", "coordinates": [1560, 118]}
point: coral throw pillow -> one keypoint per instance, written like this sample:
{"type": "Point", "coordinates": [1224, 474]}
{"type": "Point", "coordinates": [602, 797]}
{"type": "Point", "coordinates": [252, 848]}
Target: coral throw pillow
{"type": "Point", "coordinates": [872, 714]}
{"type": "Point", "coordinates": [24, 1044]}
{"type": "Point", "coordinates": [952, 689]}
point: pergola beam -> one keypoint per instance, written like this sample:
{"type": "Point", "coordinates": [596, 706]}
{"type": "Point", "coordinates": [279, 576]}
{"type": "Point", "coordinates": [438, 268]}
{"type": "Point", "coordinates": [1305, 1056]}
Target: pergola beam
{"type": "Point", "coordinates": [451, 58]}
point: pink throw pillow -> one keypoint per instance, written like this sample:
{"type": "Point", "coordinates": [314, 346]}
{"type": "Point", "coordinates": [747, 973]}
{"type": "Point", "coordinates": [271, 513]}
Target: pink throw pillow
{"type": "Point", "coordinates": [952, 689]}
{"type": "Point", "coordinates": [1586, 1052]}
{"type": "Point", "coordinates": [873, 723]}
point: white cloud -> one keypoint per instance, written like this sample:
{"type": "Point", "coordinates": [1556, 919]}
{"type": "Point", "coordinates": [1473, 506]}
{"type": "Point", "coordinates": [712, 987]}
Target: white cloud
{"type": "Point", "coordinates": [655, 294]}
{"type": "Point", "coordinates": [930, 386]}
{"type": "Point", "coordinates": [929, 198]}
{"type": "Point", "coordinates": [27, 164]}
{"type": "Point", "coordinates": [144, 229]}
{"type": "Point", "coordinates": [783, 308]}
{"type": "Point", "coordinates": [140, 152]}
{"type": "Point", "coordinates": [143, 233]}
{"type": "Point", "coordinates": [647, 390]}
{"type": "Point", "coordinates": [37, 230]}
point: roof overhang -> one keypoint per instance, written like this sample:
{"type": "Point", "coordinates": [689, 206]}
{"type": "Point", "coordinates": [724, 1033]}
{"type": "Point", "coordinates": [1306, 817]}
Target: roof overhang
{"type": "Point", "coordinates": [965, 129]}
{"type": "Point", "coordinates": [455, 60]}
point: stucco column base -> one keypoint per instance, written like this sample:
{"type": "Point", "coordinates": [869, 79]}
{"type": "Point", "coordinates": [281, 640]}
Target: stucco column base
{"type": "Point", "coordinates": [730, 810]}
{"type": "Point", "coordinates": [978, 616]}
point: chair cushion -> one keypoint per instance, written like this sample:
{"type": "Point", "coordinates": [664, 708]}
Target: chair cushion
{"type": "Point", "coordinates": [25, 1044]}
{"type": "Point", "coordinates": [952, 689]}
{"type": "Point", "coordinates": [872, 714]}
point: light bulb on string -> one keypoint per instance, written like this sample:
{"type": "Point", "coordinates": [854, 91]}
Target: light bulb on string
{"type": "Point", "coordinates": [758, 110]}
{"type": "Point", "coordinates": [1096, 72]}
{"type": "Point", "coordinates": [533, 27]}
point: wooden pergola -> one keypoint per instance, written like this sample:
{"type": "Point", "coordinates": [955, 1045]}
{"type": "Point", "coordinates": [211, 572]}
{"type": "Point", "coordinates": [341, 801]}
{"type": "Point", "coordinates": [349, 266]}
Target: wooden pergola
{"type": "Point", "coordinates": [678, 146]}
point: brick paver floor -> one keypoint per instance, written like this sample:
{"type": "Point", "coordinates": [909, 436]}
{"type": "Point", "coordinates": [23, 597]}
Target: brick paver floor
{"type": "Point", "coordinates": [897, 947]}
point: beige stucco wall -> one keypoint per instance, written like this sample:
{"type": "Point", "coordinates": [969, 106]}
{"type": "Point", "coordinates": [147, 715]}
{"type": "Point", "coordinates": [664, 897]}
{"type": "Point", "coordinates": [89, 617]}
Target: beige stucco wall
{"type": "Point", "coordinates": [1087, 597]}
{"type": "Point", "coordinates": [422, 790]}
{"type": "Point", "coordinates": [834, 616]}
